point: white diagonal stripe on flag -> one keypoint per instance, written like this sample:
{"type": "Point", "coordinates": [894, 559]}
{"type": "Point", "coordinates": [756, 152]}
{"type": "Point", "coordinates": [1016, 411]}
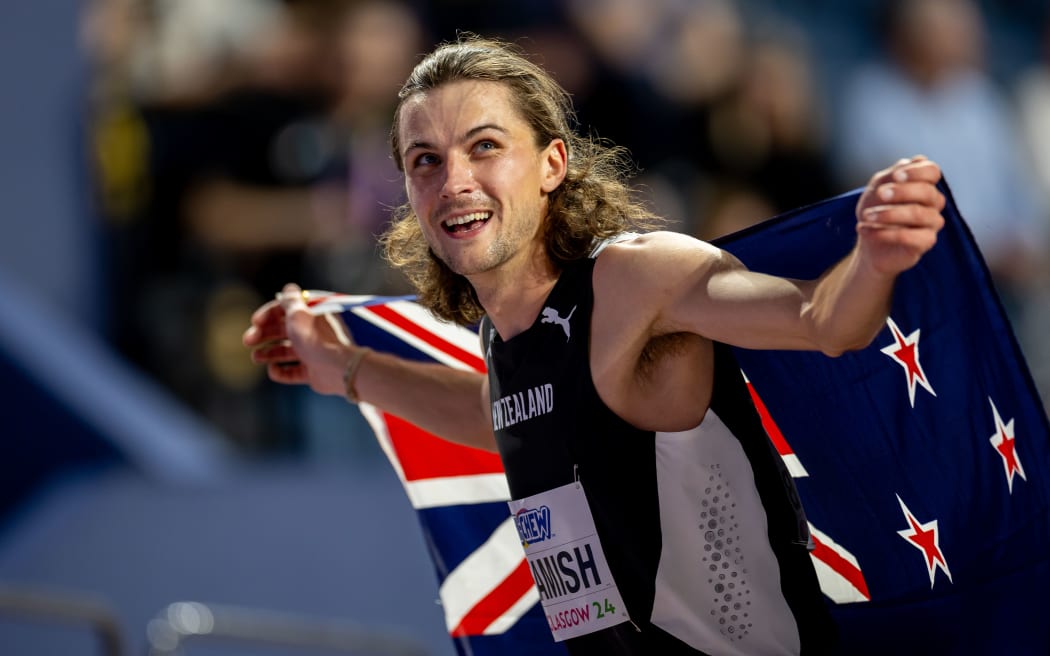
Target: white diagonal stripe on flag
{"type": "Point", "coordinates": [794, 466]}
{"type": "Point", "coordinates": [838, 570]}
{"type": "Point", "coordinates": [471, 581]}
{"type": "Point", "coordinates": [464, 338]}
{"type": "Point", "coordinates": [375, 419]}
{"type": "Point", "coordinates": [331, 303]}
{"type": "Point", "coordinates": [457, 490]}
{"type": "Point", "coordinates": [460, 337]}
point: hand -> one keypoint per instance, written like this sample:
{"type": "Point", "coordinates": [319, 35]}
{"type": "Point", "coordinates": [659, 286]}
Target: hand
{"type": "Point", "coordinates": [297, 346]}
{"type": "Point", "coordinates": [899, 215]}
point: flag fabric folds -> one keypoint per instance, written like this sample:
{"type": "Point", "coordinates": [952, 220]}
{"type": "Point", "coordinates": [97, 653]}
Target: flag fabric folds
{"type": "Point", "coordinates": [922, 460]}
{"type": "Point", "coordinates": [490, 603]}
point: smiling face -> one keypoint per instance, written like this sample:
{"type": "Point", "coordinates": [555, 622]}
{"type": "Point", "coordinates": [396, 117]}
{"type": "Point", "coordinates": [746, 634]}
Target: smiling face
{"type": "Point", "coordinates": [476, 179]}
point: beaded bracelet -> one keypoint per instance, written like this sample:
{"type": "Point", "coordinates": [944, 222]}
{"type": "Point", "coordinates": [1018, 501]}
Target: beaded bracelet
{"type": "Point", "coordinates": [350, 373]}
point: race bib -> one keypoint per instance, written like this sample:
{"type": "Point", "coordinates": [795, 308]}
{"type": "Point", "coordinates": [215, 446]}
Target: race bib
{"type": "Point", "coordinates": [576, 588]}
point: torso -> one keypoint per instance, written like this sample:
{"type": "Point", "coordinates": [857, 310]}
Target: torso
{"type": "Point", "coordinates": [641, 479]}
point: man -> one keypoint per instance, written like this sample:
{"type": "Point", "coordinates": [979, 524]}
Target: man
{"type": "Point", "coordinates": [612, 396]}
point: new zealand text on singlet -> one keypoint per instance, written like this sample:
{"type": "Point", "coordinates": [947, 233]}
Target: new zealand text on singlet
{"type": "Point", "coordinates": [522, 406]}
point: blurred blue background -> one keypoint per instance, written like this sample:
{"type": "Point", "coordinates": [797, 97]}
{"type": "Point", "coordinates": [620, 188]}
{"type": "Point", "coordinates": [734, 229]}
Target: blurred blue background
{"type": "Point", "coordinates": [168, 164]}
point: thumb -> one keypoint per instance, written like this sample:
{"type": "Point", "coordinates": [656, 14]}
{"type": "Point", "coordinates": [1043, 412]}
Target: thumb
{"type": "Point", "coordinates": [292, 298]}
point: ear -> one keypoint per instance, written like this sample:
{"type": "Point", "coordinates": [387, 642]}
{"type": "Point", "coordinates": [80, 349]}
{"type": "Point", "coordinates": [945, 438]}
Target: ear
{"type": "Point", "coordinates": [555, 163]}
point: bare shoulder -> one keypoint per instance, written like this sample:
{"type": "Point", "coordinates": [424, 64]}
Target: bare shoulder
{"type": "Point", "coordinates": [654, 248]}
{"type": "Point", "coordinates": [636, 281]}
{"type": "Point", "coordinates": [656, 263]}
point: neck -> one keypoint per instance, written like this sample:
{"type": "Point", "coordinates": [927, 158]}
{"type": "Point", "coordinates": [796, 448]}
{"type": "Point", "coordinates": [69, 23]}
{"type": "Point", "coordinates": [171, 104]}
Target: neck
{"type": "Point", "coordinates": [513, 299]}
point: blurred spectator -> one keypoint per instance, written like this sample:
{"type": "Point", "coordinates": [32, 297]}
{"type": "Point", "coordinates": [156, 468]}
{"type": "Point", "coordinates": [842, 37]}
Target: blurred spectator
{"type": "Point", "coordinates": [725, 127]}
{"type": "Point", "coordinates": [696, 66]}
{"type": "Point", "coordinates": [769, 150]}
{"type": "Point", "coordinates": [342, 148]}
{"type": "Point", "coordinates": [234, 143]}
{"type": "Point", "coordinates": [657, 67]}
{"type": "Point", "coordinates": [1033, 101]}
{"type": "Point", "coordinates": [933, 79]}
{"type": "Point", "coordinates": [618, 101]}
{"type": "Point", "coordinates": [376, 46]}
{"type": "Point", "coordinates": [196, 48]}
{"type": "Point", "coordinates": [243, 143]}
{"type": "Point", "coordinates": [176, 102]}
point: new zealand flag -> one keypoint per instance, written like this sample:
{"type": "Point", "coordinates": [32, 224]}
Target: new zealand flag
{"type": "Point", "coordinates": [922, 460]}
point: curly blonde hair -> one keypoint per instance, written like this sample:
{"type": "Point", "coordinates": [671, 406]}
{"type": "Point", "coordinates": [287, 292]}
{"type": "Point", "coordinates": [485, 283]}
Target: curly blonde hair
{"type": "Point", "coordinates": [593, 203]}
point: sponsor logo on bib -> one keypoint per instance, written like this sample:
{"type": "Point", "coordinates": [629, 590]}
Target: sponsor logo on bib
{"type": "Point", "coordinates": [534, 525]}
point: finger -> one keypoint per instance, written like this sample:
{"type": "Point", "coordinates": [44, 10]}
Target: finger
{"type": "Point", "coordinates": [292, 373]}
{"type": "Point", "coordinates": [922, 193]}
{"type": "Point", "coordinates": [917, 170]}
{"type": "Point", "coordinates": [266, 311]}
{"type": "Point", "coordinates": [267, 323]}
{"type": "Point", "coordinates": [297, 314]}
{"type": "Point", "coordinates": [269, 332]}
{"type": "Point", "coordinates": [292, 298]}
{"type": "Point", "coordinates": [279, 351]}
{"type": "Point", "coordinates": [905, 215]}
{"type": "Point", "coordinates": [886, 175]}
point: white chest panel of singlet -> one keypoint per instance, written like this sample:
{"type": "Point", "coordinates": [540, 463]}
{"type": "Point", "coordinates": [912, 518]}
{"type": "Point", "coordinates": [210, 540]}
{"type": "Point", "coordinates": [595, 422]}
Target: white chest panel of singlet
{"type": "Point", "coordinates": [718, 583]}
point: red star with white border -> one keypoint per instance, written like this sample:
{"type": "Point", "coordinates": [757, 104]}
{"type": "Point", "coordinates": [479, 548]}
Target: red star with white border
{"type": "Point", "coordinates": [926, 538]}
{"type": "Point", "coordinates": [905, 350]}
{"type": "Point", "coordinates": [1003, 442]}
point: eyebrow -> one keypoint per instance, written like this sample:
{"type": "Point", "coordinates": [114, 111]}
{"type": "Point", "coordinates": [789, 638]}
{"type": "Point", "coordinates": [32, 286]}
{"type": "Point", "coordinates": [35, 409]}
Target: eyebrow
{"type": "Point", "coordinates": [467, 136]}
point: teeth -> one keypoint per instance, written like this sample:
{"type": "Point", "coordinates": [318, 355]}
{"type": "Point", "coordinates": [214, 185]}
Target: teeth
{"type": "Point", "coordinates": [467, 218]}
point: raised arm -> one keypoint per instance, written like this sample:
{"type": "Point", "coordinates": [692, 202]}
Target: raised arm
{"type": "Point", "coordinates": [299, 347]}
{"type": "Point", "coordinates": [690, 286]}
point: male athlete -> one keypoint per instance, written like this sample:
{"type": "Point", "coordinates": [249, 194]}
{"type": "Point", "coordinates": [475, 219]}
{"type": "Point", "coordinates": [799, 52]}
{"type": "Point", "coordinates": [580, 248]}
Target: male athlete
{"type": "Point", "coordinates": [643, 484]}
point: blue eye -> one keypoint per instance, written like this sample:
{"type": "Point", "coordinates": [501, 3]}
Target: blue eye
{"type": "Point", "coordinates": [425, 159]}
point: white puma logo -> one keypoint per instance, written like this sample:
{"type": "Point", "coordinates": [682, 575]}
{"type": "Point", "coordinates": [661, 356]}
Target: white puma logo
{"type": "Point", "coordinates": [550, 315]}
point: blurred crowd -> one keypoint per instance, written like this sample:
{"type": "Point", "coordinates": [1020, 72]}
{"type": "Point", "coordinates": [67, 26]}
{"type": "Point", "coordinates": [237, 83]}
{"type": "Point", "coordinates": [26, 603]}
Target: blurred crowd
{"type": "Point", "coordinates": [240, 144]}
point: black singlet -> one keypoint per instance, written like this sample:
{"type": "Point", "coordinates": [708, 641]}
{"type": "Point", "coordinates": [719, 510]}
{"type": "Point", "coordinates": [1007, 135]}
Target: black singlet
{"type": "Point", "coordinates": [702, 529]}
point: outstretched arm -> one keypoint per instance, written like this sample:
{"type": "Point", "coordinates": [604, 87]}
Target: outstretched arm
{"type": "Point", "coordinates": [690, 286]}
{"type": "Point", "coordinates": [299, 347]}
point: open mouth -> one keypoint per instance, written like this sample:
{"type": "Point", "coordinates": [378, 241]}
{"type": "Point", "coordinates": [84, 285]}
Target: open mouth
{"type": "Point", "coordinates": [466, 223]}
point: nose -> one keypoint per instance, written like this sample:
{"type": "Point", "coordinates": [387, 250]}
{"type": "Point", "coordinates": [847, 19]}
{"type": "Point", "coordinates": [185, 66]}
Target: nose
{"type": "Point", "coordinates": [459, 176]}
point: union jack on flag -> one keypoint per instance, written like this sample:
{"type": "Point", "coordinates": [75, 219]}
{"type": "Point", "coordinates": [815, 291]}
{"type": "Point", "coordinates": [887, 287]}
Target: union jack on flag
{"type": "Point", "coordinates": [923, 460]}
{"type": "Point", "coordinates": [490, 603]}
